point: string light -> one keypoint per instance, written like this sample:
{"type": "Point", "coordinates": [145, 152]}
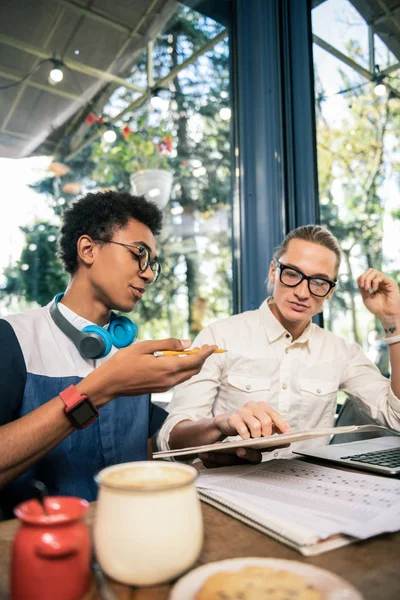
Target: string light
{"type": "Point", "coordinates": [380, 88]}
{"type": "Point", "coordinates": [56, 74]}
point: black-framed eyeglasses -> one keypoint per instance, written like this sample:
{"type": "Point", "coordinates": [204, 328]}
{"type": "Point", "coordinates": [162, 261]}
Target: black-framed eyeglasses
{"type": "Point", "coordinates": [292, 277]}
{"type": "Point", "coordinates": [143, 258]}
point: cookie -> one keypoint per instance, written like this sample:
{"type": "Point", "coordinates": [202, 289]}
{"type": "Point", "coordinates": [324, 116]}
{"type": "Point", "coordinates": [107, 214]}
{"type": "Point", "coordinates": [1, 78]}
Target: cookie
{"type": "Point", "coordinates": [257, 583]}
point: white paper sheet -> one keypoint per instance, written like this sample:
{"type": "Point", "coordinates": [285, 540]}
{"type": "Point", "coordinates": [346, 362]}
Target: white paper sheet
{"type": "Point", "coordinates": [330, 501]}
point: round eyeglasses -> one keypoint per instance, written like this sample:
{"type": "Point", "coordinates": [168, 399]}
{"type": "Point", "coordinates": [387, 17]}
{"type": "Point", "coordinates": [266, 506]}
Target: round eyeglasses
{"type": "Point", "coordinates": [292, 277]}
{"type": "Point", "coordinates": [143, 258]}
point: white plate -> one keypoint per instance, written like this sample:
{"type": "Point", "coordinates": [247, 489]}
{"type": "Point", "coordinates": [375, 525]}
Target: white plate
{"type": "Point", "coordinates": [329, 584]}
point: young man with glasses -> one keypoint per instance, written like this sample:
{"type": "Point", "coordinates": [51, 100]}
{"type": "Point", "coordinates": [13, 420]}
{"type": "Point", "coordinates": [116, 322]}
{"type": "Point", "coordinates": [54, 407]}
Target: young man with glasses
{"type": "Point", "coordinates": [71, 401]}
{"type": "Point", "coordinates": [281, 371]}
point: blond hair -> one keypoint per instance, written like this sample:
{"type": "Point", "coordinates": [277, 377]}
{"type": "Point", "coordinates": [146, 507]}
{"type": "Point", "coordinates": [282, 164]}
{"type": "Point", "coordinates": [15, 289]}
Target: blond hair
{"type": "Point", "coordinates": [315, 234]}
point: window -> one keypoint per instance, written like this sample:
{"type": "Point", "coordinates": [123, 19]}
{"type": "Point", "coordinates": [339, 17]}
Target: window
{"type": "Point", "coordinates": [358, 131]}
{"type": "Point", "coordinates": [181, 126]}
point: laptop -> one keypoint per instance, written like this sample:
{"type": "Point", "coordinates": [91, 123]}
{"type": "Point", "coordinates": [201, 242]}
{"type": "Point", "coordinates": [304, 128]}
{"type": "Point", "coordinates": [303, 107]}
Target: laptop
{"type": "Point", "coordinates": [380, 455]}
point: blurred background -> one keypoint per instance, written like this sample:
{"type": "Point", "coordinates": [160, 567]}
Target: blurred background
{"type": "Point", "coordinates": [151, 88]}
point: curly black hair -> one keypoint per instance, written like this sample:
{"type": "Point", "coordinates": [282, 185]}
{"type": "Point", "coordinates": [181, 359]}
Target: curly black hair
{"type": "Point", "coordinates": [100, 215]}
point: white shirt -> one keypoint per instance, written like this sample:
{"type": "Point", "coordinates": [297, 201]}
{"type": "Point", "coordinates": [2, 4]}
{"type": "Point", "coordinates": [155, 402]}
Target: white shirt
{"type": "Point", "coordinates": [299, 379]}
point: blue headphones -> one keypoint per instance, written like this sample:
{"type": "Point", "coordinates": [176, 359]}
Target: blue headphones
{"type": "Point", "coordinates": [95, 341]}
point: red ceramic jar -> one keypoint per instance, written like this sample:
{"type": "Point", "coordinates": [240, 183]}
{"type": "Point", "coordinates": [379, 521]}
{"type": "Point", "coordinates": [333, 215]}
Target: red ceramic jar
{"type": "Point", "coordinates": [51, 552]}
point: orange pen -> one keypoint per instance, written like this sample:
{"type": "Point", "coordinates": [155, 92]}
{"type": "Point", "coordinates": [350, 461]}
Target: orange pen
{"type": "Point", "coordinates": [184, 352]}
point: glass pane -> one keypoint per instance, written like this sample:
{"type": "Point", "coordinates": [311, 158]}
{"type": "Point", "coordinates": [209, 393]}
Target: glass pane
{"type": "Point", "coordinates": [178, 130]}
{"type": "Point", "coordinates": [358, 133]}
{"type": "Point", "coordinates": [182, 127]}
{"type": "Point", "coordinates": [347, 30]}
{"type": "Point", "coordinates": [383, 56]}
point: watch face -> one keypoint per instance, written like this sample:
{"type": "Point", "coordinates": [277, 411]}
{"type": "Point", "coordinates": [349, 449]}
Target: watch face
{"type": "Point", "coordinates": [82, 413]}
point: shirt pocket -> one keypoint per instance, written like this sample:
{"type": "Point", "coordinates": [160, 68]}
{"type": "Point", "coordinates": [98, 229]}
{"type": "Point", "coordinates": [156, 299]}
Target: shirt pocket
{"type": "Point", "coordinates": [317, 388]}
{"type": "Point", "coordinates": [317, 405]}
{"type": "Point", "coordinates": [246, 388]}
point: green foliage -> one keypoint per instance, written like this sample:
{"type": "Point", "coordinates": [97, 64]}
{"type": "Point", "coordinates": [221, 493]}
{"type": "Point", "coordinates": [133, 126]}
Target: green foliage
{"type": "Point", "coordinates": [38, 275]}
{"type": "Point", "coordinates": [138, 151]}
{"type": "Point", "coordinates": [196, 279]}
{"type": "Point", "coordinates": [355, 157]}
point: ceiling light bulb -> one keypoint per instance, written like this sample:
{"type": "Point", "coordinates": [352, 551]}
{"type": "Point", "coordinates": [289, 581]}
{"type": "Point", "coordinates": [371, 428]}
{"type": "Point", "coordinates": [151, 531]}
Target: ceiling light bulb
{"type": "Point", "coordinates": [56, 75]}
{"type": "Point", "coordinates": [109, 136]}
{"type": "Point", "coordinates": [380, 90]}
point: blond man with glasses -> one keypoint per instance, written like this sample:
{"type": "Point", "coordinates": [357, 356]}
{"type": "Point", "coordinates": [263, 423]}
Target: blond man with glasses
{"type": "Point", "coordinates": [282, 372]}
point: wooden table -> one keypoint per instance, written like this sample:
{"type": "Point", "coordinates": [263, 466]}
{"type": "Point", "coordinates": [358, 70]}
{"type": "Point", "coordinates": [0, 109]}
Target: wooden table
{"type": "Point", "coordinates": [371, 566]}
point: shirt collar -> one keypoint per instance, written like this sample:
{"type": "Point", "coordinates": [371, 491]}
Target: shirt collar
{"type": "Point", "coordinates": [275, 330]}
{"type": "Point", "coordinates": [75, 319]}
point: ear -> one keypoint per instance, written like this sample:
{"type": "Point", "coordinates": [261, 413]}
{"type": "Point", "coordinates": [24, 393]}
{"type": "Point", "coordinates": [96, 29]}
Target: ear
{"type": "Point", "coordinates": [85, 249]}
{"type": "Point", "coordinates": [272, 272]}
{"type": "Point", "coordinates": [329, 296]}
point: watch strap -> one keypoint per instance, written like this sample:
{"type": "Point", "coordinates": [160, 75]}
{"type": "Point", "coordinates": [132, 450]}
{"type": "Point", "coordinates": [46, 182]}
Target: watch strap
{"type": "Point", "coordinates": [72, 398]}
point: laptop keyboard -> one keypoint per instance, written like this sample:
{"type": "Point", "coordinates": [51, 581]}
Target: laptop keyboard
{"type": "Point", "coordinates": [384, 458]}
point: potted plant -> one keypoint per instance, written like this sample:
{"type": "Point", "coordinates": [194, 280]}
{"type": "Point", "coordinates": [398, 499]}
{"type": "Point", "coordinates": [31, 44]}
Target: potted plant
{"type": "Point", "coordinates": [140, 157]}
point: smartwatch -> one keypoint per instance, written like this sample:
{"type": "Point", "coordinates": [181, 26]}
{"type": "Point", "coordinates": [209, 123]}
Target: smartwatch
{"type": "Point", "coordinates": [78, 408]}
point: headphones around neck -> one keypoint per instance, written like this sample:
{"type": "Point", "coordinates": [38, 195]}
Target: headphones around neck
{"type": "Point", "coordinates": [95, 341]}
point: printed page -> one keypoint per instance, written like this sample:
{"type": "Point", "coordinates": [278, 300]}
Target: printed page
{"type": "Point", "coordinates": [330, 501]}
{"type": "Point", "coordinates": [285, 524]}
{"type": "Point", "coordinates": [303, 524]}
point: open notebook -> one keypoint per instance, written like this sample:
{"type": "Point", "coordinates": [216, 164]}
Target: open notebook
{"type": "Point", "coordinates": [265, 443]}
{"type": "Point", "coordinates": [309, 507]}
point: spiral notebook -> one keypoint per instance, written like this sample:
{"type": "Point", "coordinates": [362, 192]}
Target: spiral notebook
{"type": "Point", "coordinates": [311, 508]}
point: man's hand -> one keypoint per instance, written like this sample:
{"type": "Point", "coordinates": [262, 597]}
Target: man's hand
{"type": "Point", "coordinates": [380, 294]}
{"type": "Point", "coordinates": [135, 370]}
{"type": "Point", "coordinates": [254, 419]}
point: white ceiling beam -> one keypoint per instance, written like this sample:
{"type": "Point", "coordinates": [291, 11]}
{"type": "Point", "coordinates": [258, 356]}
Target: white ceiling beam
{"type": "Point", "coordinates": [389, 13]}
{"type": "Point", "coordinates": [59, 14]}
{"type": "Point", "coordinates": [147, 95]}
{"type": "Point", "coordinates": [39, 86]}
{"type": "Point", "coordinates": [99, 16]}
{"type": "Point", "coordinates": [70, 64]}
{"type": "Point", "coordinates": [390, 69]}
{"type": "Point", "coordinates": [22, 136]}
{"type": "Point", "coordinates": [343, 58]}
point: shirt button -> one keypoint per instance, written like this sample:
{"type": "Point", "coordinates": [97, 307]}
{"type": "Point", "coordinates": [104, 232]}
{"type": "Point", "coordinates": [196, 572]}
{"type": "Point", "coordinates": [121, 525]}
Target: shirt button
{"type": "Point", "coordinates": [318, 391]}
{"type": "Point", "coordinates": [248, 387]}
{"type": "Point", "coordinates": [284, 386]}
{"type": "Point", "coordinates": [276, 454]}
{"type": "Point", "coordinates": [287, 351]}
{"type": "Point", "coordinates": [287, 335]}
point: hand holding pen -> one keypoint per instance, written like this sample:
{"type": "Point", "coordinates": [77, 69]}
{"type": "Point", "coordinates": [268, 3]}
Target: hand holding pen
{"type": "Point", "coordinates": [135, 370]}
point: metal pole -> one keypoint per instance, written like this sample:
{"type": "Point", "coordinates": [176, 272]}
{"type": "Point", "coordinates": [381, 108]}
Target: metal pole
{"type": "Point", "coordinates": [150, 64]}
{"type": "Point", "coordinates": [371, 48]}
{"type": "Point", "coordinates": [345, 59]}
